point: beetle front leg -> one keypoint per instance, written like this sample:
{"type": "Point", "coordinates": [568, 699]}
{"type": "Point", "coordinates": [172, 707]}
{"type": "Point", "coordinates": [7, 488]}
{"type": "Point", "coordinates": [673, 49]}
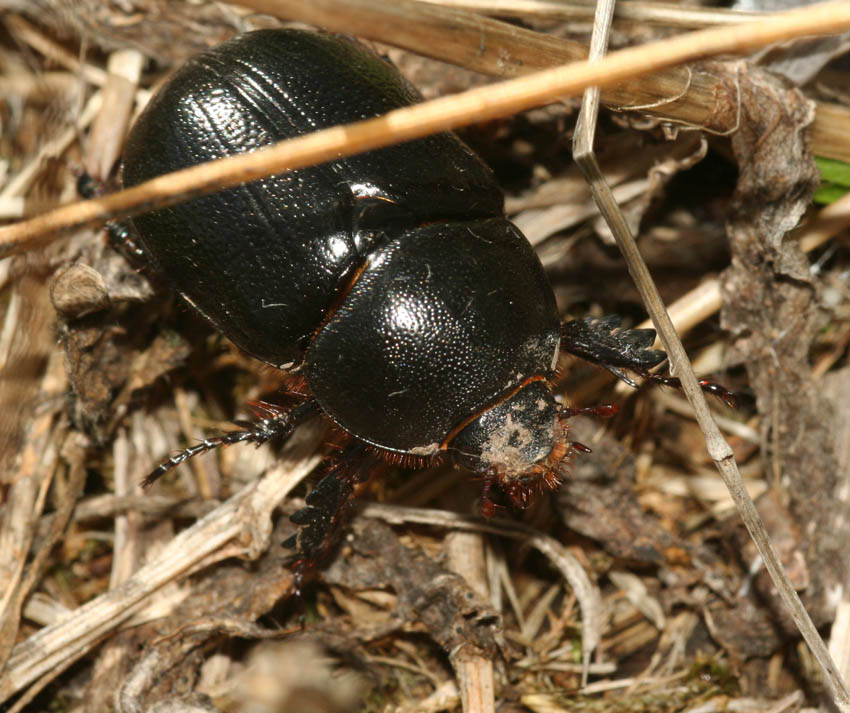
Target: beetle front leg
{"type": "Point", "coordinates": [327, 507]}
{"type": "Point", "coordinates": [601, 342]}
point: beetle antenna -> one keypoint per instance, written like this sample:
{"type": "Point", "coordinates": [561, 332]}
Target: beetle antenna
{"type": "Point", "coordinates": [273, 422]}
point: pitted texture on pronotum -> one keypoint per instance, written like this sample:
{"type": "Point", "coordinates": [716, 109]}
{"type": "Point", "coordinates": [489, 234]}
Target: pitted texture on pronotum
{"type": "Point", "coordinates": [446, 346]}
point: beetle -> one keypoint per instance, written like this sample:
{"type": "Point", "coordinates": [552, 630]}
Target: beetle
{"type": "Point", "coordinates": [419, 316]}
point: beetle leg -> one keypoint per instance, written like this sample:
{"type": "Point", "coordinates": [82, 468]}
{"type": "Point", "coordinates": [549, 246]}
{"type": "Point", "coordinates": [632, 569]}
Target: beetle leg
{"type": "Point", "coordinates": [488, 484]}
{"type": "Point", "coordinates": [600, 411]}
{"type": "Point", "coordinates": [596, 341]}
{"type": "Point", "coordinates": [122, 239]}
{"type": "Point", "coordinates": [120, 233]}
{"type": "Point", "coordinates": [328, 505]}
{"type": "Point", "coordinates": [274, 422]}
{"type": "Point", "coordinates": [710, 387]}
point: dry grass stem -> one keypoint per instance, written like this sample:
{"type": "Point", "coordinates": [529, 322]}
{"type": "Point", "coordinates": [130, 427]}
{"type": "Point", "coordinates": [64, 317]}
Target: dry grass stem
{"type": "Point", "coordinates": [718, 447]}
{"type": "Point", "coordinates": [474, 105]}
{"type": "Point", "coordinates": [239, 527]}
{"type": "Point", "coordinates": [703, 98]}
{"type": "Point", "coordinates": [661, 13]}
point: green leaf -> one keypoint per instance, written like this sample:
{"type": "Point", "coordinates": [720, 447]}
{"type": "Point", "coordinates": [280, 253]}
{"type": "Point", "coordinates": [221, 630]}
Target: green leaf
{"type": "Point", "coordinates": [832, 171]}
{"type": "Point", "coordinates": [829, 193]}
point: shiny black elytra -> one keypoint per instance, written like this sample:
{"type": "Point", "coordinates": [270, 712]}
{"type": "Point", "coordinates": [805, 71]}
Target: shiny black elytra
{"type": "Point", "coordinates": [418, 315]}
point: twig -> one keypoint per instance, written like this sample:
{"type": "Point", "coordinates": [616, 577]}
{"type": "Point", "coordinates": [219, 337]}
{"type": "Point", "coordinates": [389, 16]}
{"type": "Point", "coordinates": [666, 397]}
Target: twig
{"type": "Point", "coordinates": [474, 672]}
{"type": "Point", "coordinates": [700, 97]}
{"type": "Point", "coordinates": [661, 13]}
{"type": "Point", "coordinates": [475, 105]}
{"type": "Point", "coordinates": [239, 527]}
{"type": "Point", "coordinates": [110, 126]}
{"type": "Point", "coordinates": [554, 551]}
{"type": "Point", "coordinates": [717, 446]}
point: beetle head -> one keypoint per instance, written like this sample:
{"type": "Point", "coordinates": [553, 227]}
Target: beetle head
{"type": "Point", "coordinates": [520, 444]}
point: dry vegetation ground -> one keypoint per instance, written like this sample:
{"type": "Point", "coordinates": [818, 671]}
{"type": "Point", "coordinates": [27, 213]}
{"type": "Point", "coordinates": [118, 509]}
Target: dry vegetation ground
{"type": "Point", "coordinates": [180, 598]}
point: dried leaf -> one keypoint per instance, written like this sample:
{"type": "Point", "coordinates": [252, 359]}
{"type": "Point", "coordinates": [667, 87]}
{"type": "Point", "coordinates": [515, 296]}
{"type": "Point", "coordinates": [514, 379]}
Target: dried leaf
{"type": "Point", "coordinates": [774, 313]}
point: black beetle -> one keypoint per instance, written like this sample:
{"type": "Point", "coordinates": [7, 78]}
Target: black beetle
{"type": "Point", "coordinates": [419, 316]}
